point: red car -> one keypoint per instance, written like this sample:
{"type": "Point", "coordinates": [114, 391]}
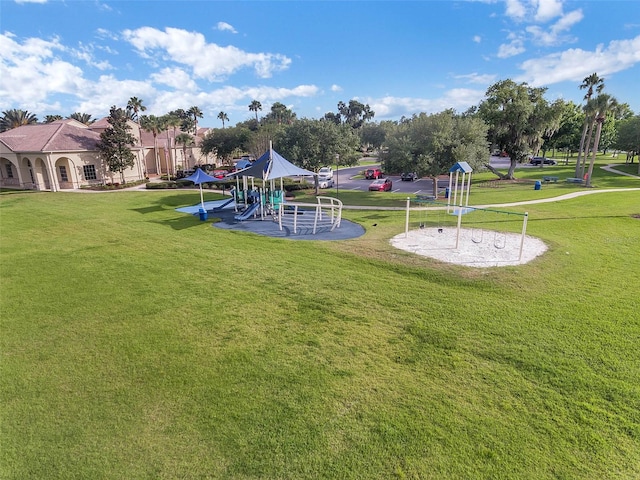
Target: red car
{"type": "Point", "coordinates": [372, 173]}
{"type": "Point", "coordinates": [220, 173]}
{"type": "Point", "coordinates": [381, 185]}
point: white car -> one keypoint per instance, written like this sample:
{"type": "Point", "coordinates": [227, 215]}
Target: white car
{"type": "Point", "coordinates": [326, 172]}
{"type": "Point", "coordinates": [325, 182]}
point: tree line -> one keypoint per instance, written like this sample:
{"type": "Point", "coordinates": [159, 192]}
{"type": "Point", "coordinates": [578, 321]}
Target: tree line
{"type": "Point", "coordinates": [513, 117]}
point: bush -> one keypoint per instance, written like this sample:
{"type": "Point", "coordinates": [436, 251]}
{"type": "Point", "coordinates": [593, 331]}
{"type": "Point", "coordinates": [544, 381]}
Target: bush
{"type": "Point", "coordinates": [161, 185]}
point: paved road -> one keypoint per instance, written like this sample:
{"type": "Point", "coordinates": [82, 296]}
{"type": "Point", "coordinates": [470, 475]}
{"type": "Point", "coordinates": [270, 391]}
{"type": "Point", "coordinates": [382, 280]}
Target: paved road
{"type": "Point", "coordinates": [343, 179]}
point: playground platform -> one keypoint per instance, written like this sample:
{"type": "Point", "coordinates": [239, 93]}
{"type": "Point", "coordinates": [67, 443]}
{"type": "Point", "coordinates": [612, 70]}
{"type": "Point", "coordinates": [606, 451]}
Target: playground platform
{"type": "Point", "coordinates": [270, 228]}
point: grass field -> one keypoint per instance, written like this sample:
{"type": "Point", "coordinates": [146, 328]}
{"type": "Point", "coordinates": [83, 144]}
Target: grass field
{"type": "Point", "coordinates": [141, 343]}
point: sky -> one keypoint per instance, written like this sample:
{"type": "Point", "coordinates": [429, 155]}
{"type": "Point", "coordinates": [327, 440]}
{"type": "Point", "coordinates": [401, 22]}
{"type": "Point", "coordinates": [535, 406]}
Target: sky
{"type": "Point", "coordinates": [399, 57]}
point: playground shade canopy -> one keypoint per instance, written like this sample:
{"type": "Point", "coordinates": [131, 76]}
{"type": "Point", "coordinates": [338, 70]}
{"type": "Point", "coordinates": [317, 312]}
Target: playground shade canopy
{"type": "Point", "coordinates": [199, 177]}
{"type": "Point", "coordinates": [272, 165]}
{"type": "Point", "coordinates": [463, 167]}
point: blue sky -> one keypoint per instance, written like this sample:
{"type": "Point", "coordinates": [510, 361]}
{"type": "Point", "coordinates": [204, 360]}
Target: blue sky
{"type": "Point", "coordinates": [400, 57]}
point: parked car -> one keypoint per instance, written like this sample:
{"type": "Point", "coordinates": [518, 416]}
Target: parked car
{"type": "Point", "coordinates": [372, 173]}
{"type": "Point", "coordinates": [326, 172]}
{"type": "Point", "coordinates": [409, 176]}
{"type": "Point", "coordinates": [325, 182]}
{"type": "Point", "coordinates": [184, 173]}
{"type": "Point", "coordinates": [220, 173]}
{"type": "Point", "coordinates": [542, 161]}
{"type": "Point", "coordinates": [381, 185]}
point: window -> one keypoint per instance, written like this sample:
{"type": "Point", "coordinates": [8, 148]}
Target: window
{"type": "Point", "coordinates": [90, 172]}
{"type": "Point", "coordinates": [9, 171]}
{"type": "Point", "coordinates": [63, 173]}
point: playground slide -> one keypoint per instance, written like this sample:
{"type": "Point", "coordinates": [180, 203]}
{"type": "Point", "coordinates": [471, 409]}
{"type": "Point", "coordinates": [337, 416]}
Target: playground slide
{"type": "Point", "coordinates": [247, 212]}
{"type": "Point", "coordinates": [221, 206]}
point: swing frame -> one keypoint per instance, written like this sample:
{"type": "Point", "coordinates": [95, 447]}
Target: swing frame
{"type": "Point", "coordinates": [436, 206]}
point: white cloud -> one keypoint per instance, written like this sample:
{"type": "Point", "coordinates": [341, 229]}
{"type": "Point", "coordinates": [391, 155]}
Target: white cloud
{"type": "Point", "coordinates": [99, 96]}
{"type": "Point", "coordinates": [477, 38]}
{"type": "Point", "coordinates": [477, 78]}
{"type": "Point", "coordinates": [104, 33]}
{"type": "Point", "coordinates": [575, 64]}
{"type": "Point", "coordinates": [553, 36]}
{"type": "Point", "coordinates": [207, 60]}
{"type": "Point", "coordinates": [225, 27]}
{"type": "Point", "coordinates": [515, 9]}
{"type": "Point", "coordinates": [459, 99]}
{"type": "Point", "coordinates": [515, 47]}
{"type": "Point", "coordinates": [548, 9]}
{"type": "Point", "coordinates": [85, 53]}
{"type": "Point", "coordinates": [31, 1]}
{"type": "Point", "coordinates": [30, 72]}
{"type": "Point", "coordinates": [336, 88]}
{"type": "Point", "coordinates": [175, 78]}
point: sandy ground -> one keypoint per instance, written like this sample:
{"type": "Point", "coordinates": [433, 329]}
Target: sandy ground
{"type": "Point", "coordinates": [476, 247]}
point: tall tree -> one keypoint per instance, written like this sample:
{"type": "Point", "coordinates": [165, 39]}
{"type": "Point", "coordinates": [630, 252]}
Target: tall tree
{"type": "Point", "coordinates": [134, 106]}
{"type": "Point", "coordinates": [16, 118]}
{"type": "Point", "coordinates": [154, 125]}
{"type": "Point", "coordinates": [355, 113]}
{"type": "Point", "coordinates": [116, 142]}
{"type": "Point", "coordinates": [510, 109]}
{"type": "Point", "coordinates": [280, 114]}
{"type": "Point", "coordinates": [222, 116]}
{"type": "Point", "coordinates": [312, 144]}
{"type": "Point", "coordinates": [224, 142]}
{"type": "Point", "coordinates": [172, 121]}
{"type": "Point", "coordinates": [52, 118]}
{"type": "Point", "coordinates": [590, 83]}
{"type": "Point", "coordinates": [82, 118]}
{"type": "Point", "coordinates": [628, 138]}
{"type": "Point", "coordinates": [195, 114]}
{"type": "Point", "coordinates": [185, 140]}
{"type": "Point", "coordinates": [372, 135]}
{"type": "Point", "coordinates": [604, 104]}
{"type": "Point", "coordinates": [431, 144]}
{"type": "Point", "coordinates": [254, 106]}
{"type": "Point", "coordinates": [567, 138]}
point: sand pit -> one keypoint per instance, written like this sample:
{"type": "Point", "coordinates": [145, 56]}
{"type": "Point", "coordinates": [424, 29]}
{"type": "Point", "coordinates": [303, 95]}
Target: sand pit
{"type": "Point", "coordinates": [493, 249]}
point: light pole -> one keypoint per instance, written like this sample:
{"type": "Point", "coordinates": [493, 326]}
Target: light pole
{"type": "Point", "coordinates": [337, 164]}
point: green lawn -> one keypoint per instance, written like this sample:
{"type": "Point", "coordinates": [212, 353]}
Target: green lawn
{"type": "Point", "coordinates": [141, 343]}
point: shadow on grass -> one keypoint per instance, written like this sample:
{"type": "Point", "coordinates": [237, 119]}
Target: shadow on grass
{"type": "Point", "coordinates": [185, 221]}
{"type": "Point", "coordinates": [173, 201]}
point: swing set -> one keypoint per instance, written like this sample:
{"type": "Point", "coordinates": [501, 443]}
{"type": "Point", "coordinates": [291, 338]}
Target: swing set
{"type": "Point", "coordinates": [433, 216]}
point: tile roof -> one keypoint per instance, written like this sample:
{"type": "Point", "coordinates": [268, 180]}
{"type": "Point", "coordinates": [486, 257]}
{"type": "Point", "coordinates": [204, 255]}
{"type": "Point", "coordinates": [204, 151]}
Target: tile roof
{"type": "Point", "coordinates": [58, 136]}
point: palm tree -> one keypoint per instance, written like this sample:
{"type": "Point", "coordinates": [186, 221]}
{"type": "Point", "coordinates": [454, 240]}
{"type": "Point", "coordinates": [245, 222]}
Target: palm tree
{"type": "Point", "coordinates": [16, 118]}
{"type": "Point", "coordinates": [134, 105]}
{"type": "Point", "coordinates": [224, 117]}
{"type": "Point", "coordinates": [589, 83]}
{"type": "Point", "coordinates": [603, 104]}
{"type": "Point", "coordinates": [196, 113]}
{"type": "Point", "coordinates": [52, 118]}
{"type": "Point", "coordinates": [155, 125]}
{"type": "Point", "coordinates": [185, 140]}
{"type": "Point", "coordinates": [254, 106]}
{"type": "Point", "coordinates": [82, 118]}
{"type": "Point", "coordinates": [173, 121]}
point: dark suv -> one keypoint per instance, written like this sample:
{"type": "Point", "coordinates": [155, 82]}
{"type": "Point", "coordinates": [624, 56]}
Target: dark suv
{"type": "Point", "coordinates": [542, 160]}
{"type": "Point", "coordinates": [372, 173]}
{"type": "Point", "coordinates": [409, 176]}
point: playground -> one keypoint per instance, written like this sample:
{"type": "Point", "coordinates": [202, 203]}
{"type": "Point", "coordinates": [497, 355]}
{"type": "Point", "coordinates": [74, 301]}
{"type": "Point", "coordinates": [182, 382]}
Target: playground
{"type": "Point", "coordinates": [258, 205]}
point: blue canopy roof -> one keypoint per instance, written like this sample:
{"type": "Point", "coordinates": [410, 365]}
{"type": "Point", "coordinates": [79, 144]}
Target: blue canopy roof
{"type": "Point", "coordinates": [272, 165]}
{"type": "Point", "coordinates": [463, 167]}
{"type": "Point", "coordinates": [200, 177]}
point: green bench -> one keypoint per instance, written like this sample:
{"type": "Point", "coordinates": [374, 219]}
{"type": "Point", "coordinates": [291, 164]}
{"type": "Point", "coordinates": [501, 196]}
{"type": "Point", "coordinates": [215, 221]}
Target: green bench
{"type": "Point", "coordinates": [574, 180]}
{"type": "Point", "coordinates": [548, 179]}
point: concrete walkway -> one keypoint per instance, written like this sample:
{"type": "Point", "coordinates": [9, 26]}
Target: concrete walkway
{"type": "Point", "coordinates": [612, 169]}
